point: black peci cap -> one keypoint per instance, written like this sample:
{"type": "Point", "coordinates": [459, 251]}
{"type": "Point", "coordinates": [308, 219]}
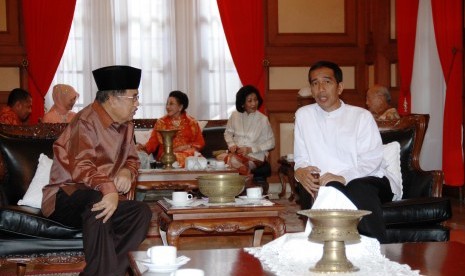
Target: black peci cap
{"type": "Point", "coordinates": [118, 77]}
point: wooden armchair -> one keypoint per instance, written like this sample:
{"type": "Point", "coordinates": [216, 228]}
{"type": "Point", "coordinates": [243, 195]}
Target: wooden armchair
{"type": "Point", "coordinates": [420, 213]}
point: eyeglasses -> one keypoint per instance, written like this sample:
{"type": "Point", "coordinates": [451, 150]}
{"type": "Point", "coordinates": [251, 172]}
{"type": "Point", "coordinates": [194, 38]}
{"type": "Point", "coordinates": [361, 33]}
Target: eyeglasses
{"type": "Point", "coordinates": [324, 83]}
{"type": "Point", "coordinates": [133, 98]}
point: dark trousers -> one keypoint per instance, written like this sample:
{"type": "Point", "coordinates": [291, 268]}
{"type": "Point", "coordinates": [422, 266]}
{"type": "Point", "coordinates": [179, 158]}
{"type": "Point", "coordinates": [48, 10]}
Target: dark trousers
{"type": "Point", "coordinates": [366, 193]}
{"type": "Point", "coordinates": [106, 245]}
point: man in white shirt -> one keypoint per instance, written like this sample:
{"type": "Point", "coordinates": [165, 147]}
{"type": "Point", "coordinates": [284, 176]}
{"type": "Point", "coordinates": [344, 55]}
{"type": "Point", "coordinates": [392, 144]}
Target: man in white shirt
{"type": "Point", "coordinates": [343, 144]}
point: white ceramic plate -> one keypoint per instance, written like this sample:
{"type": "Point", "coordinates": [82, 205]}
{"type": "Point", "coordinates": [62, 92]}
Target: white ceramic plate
{"type": "Point", "coordinates": [180, 261]}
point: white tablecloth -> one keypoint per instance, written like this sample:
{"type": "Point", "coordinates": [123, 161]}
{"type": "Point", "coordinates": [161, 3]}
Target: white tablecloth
{"type": "Point", "coordinates": [293, 254]}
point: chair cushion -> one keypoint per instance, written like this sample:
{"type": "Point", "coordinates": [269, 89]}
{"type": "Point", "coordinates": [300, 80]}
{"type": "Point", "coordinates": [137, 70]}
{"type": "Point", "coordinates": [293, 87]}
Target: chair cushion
{"type": "Point", "coordinates": [22, 246]}
{"type": "Point", "coordinates": [431, 233]}
{"type": "Point", "coordinates": [405, 138]}
{"type": "Point", "coordinates": [28, 222]}
{"type": "Point", "coordinates": [33, 196]}
{"type": "Point", "coordinates": [21, 157]}
{"type": "Point", "coordinates": [416, 212]}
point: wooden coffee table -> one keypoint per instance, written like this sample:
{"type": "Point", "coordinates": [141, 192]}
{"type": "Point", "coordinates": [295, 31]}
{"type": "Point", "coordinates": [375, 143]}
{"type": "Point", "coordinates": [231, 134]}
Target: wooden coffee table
{"type": "Point", "coordinates": [221, 219]}
{"type": "Point", "coordinates": [431, 258]}
{"type": "Point", "coordinates": [172, 179]}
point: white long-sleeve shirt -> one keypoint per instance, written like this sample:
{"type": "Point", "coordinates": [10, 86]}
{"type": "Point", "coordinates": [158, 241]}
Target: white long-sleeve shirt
{"type": "Point", "coordinates": [343, 142]}
{"type": "Point", "coordinates": [250, 130]}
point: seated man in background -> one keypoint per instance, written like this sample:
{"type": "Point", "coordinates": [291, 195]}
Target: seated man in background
{"type": "Point", "coordinates": [94, 165]}
{"type": "Point", "coordinates": [379, 103]}
{"type": "Point", "coordinates": [18, 109]}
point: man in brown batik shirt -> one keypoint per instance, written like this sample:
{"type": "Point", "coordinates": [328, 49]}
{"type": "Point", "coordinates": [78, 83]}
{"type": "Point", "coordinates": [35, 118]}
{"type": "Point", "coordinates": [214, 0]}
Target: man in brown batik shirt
{"type": "Point", "coordinates": [94, 165]}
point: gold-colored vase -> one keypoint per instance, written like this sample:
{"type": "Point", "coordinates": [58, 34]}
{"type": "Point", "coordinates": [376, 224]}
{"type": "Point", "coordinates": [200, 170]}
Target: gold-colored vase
{"type": "Point", "coordinates": [168, 157]}
{"type": "Point", "coordinates": [334, 227]}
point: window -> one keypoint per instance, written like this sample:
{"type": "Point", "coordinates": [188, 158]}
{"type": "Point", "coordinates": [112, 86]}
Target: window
{"type": "Point", "coordinates": [179, 45]}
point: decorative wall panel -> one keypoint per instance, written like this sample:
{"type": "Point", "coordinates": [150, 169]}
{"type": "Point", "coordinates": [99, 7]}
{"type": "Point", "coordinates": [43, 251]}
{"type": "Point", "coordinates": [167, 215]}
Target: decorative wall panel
{"type": "Point", "coordinates": [3, 26]}
{"type": "Point", "coordinates": [297, 77]}
{"type": "Point", "coordinates": [9, 22]}
{"type": "Point", "coordinates": [312, 22]}
{"type": "Point", "coordinates": [311, 16]}
{"type": "Point", "coordinates": [288, 77]}
{"type": "Point", "coordinates": [9, 78]}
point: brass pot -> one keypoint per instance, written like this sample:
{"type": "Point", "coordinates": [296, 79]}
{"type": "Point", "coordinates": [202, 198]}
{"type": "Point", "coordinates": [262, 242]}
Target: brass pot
{"type": "Point", "coordinates": [221, 188]}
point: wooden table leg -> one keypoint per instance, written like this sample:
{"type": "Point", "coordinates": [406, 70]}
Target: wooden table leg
{"type": "Point", "coordinates": [20, 269]}
{"type": "Point", "coordinates": [283, 183]}
{"type": "Point", "coordinates": [164, 223]}
{"type": "Point", "coordinates": [175, 229]}
{"type": "Point", "coordinates": [257, 238]}
{"type": "Point", "coordinates": [163, 236]}
{"type": "Point", "coordinates": [292, 184]}
{"type": "Point", "coordinates": [278, 227]}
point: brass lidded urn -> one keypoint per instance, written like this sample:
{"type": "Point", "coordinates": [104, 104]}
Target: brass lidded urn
{"type": "Point", "coordinates": [168, 157]}
{"type": "Point", "coordinates": [334, 227]}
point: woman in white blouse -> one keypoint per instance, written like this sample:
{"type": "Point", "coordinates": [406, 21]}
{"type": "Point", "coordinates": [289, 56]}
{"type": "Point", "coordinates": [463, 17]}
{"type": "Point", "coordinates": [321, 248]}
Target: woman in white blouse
{"type": "Point", "coordinates": [248, 132]}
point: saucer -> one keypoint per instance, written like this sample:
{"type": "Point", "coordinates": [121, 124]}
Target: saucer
{"type": "Point", "coordinates": [180, 261]}
{"type": "Point", "coordinates": [252, 199]}
{"type": "Point", "coordinates": [179, 203]}
{"type": "Point", "coordinates": [182, 203]}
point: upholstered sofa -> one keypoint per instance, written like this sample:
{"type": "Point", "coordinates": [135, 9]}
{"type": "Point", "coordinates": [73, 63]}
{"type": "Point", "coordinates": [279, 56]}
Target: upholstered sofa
{"type": "Point", "coordinates": [23, 230]}
{"type": "Point", "coordinates": [419, 215]}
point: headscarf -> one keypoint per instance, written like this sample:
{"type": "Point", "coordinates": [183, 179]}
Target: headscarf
{"type": "Point", "coordinates": [59, 112]}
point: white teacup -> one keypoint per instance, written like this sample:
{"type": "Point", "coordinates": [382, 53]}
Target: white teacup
{"type": "Point", "coordinates": [189, 272]}
{"type": "Point", "coordinates": [220, 165]}
{"type": "Point", "coordinates": [254, 192]}
{"type": "Point", "coordinates": [162, 255]}
{"type": "Point", "coordinates": [290, 156]}
{"type": "Point", "coordinates": [181, 196]}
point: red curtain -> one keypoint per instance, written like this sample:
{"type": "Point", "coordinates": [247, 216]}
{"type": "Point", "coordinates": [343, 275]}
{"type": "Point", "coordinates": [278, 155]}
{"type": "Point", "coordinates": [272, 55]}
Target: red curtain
{"type": "Point", "coordinates": [406, 22]}
{"type": "Point", "coordinates": [448, 18]}
{"type": "Point", "coordinates": [244, 29]}
{"type": "Point", "coordinates": [46, 27]}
